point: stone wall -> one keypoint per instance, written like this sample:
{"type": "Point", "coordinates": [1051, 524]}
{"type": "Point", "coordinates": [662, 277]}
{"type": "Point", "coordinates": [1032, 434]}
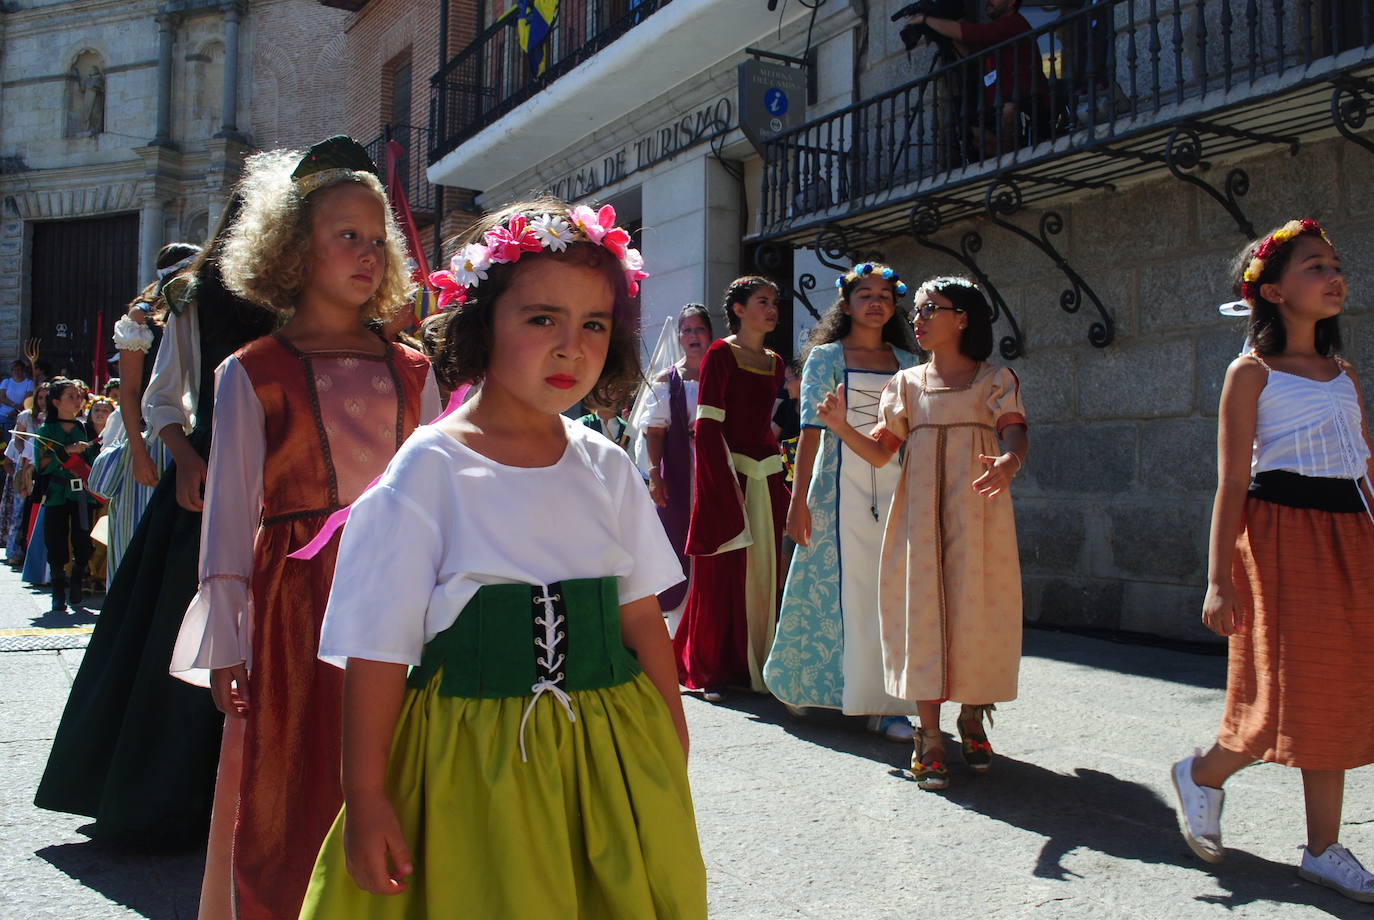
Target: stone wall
{"type": "Point", "coordinates": [1114, 507]}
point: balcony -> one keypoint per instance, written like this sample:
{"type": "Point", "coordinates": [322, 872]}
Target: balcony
{"type": "Point", "coordinates": [494, 74]}
{"type": "Point", "coordinates": [420, 194]}
{"type": "Point", "coordinates": [492, 116]}
{"type": "Point", "coordinates": [1109, 94]}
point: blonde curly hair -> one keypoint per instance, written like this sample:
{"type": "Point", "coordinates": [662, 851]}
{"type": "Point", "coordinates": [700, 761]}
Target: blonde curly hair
{"type": "Point", "coordinates": [268, 246]}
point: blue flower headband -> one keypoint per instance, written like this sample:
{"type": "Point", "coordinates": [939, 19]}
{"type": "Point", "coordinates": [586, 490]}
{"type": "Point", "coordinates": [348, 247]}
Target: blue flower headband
{"type": "Point", "coordinates": [867, 268]}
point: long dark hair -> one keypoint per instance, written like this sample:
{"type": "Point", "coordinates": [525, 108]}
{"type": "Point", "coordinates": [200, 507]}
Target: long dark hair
{"type": "Point", "coordinates": [1266, 333]}
{"type": "Point", "coordinates": [976, 340]}
{"type": "Point", "coordinates": [56, 387]}
{"type": "Point", "coordinates": [836, 323]}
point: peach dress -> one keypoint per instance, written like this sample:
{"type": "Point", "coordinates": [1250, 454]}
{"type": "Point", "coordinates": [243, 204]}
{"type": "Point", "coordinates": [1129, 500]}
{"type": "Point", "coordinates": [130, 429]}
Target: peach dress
{"type": "Point", "coordinates": [950, 585]}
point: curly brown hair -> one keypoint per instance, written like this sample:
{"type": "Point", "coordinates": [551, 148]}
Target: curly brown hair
{"type": "Point", "coordinates": [1265, 331]}
{"type": "Point", "coordinates": [836, 323]}
{"type": "Point", "coordinates": [465, 352]}
{"type": "Point", "coordinates": [268, 247]}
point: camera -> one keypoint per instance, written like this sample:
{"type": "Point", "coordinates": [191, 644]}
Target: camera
{"type": "Point", "coordinates": [913, 35]}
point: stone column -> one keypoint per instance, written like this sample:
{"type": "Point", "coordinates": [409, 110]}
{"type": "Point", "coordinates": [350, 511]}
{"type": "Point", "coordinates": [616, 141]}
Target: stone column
{"type": "Point", "coordinates": [166, 26]}
{"type": "Point", "coordinates": [230, 115]}
{"type": "Point", "coordinates": [150, 230]}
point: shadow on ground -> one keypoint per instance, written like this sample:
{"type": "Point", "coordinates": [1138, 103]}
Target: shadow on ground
{"type": "Point", "coordinates": [1194, 665]}
{"type": "Point", "coordinates": [157, 884]}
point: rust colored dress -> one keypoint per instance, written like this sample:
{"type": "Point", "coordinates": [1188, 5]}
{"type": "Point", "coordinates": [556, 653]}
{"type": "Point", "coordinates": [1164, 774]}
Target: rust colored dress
{"type": "Point", "coordinates": [299, 436]}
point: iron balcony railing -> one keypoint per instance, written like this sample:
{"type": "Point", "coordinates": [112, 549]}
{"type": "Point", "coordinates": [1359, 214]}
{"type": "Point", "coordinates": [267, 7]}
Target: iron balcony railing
{"type": "Point", "coordinates": [493, 75]}
{"type": "Point", "coordinates": [420, 194]}
{"type": "Point", "coordinates": [1091, 78]}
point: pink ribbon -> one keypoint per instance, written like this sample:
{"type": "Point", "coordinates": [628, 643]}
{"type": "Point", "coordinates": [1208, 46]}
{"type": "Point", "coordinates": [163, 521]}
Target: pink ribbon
{"type": "Point", "coordinates": [335, 521]}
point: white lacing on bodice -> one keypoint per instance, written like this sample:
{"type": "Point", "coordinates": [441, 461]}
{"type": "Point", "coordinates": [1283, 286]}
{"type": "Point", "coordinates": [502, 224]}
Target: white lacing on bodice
{"type": "Point", "coordinates": [548, 662]}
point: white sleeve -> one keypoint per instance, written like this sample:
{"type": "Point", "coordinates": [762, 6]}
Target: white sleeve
{"type": "Point", "coordinates": [217, 629]}
{"type": "Point", "coordinates": [656, 566]}
{"type": "Point", "coordinates": [430, 406]}
{"type": "Point", "coordinates": [388, 530]}
{"type": "Point", "coordinates": [170, 398]}
{"type": "Point", "coordinates": [658, 406]}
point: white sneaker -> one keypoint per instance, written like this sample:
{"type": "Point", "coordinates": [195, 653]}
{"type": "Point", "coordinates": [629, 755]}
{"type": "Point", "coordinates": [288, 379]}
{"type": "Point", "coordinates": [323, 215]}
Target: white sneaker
{"type": "Point", "coordinates": [893, 728]}
{"type": "Point", "coordinates": [1199, 812]}
{"type": "Point", "coordinates": [1338, 868]}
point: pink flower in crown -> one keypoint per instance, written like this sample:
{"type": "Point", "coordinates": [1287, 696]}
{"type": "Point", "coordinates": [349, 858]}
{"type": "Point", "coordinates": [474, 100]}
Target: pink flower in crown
{"type": "Point", "coordinates": [509, 242]}
{"type": "Point", "coordinates": [599, 227]}
{"type": "Point", "coordinates": [633, 263]}
{"type": "Point", "coordinates": [450, 291]}
{"type": "Point", "coordinates": [470, 264]}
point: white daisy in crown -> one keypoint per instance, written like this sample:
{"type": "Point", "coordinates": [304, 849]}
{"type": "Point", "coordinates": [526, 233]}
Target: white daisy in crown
{"type": "Point", "coordinates": [552, 232]}
{"type": "Point", "coordinates": [470, 265]}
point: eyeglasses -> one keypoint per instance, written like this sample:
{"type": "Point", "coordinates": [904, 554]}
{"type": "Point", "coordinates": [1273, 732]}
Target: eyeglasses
{"type": "Point", "coordinates": [927, 311]}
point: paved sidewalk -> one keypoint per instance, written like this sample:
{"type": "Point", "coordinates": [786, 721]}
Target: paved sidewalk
{"type": "Point", "coordinates": [816, 819]}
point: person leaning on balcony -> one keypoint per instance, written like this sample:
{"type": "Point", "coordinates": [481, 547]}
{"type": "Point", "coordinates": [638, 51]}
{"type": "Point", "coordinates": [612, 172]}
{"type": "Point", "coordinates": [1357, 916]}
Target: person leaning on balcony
{"type": "Point", "coordinates": [1011, 77]}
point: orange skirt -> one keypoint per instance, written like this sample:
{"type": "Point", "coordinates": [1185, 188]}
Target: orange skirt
{"type": "Point", "coordinates": [1300, 681]}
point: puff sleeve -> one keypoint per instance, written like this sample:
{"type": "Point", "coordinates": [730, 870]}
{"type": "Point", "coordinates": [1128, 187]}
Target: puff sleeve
{"type": "Point", "coordinates": [1004, 401]}
{"type": "Point", "coordinates": [893, 412]}
{"type": "Point", "coordinates": [820, 375]}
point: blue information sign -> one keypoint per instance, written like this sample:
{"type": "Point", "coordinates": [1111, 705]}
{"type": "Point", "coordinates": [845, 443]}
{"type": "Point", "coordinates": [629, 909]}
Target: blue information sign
{"type": "Point", "coordinates": [775, 100]}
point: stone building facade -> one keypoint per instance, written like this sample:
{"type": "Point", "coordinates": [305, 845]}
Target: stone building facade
{"type": "Point", "coordinates": [1113, 508]}
{"type": "Point", "coordinates": [123, 125]}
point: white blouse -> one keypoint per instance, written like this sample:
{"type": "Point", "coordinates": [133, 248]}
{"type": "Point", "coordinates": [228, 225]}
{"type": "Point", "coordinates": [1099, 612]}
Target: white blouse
{"type": "Point", "coordinates": [1310, 427]}
{"type": "Point", "coordinates": [445, 520]}
{"type": "Point", "coordinates": [659, 405]}
{"type": "Point", "coordinates": [216, 631]}
{"type": "Point", "coordinates": [172, 391]}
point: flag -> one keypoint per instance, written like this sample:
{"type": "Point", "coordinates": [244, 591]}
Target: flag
{"type": "Point", "coordinates": [535, 21]}
{"type": "Point", "coordinates": [396, 191]}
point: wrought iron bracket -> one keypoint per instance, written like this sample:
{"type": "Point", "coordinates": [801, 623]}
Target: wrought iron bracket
{"type": "Point", "coordinates": [1349, 115]}
{"type": "Point", "coordinates": [1183, 151]}
{"type": "Point", "coordinates": [1259, 137]}
{"type": "Point", "coordinates": [1003, 199]}
{"type": "Point", "coordinates": [835, 249]}
{"type": "Point", "coordinates": [768, 260]}
{"type": "Point", "coordinates": [924, 221]}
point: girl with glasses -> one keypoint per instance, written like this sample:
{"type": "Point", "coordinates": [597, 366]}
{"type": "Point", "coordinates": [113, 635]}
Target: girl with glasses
{"type": "Point", "coordinates": [949, 589]}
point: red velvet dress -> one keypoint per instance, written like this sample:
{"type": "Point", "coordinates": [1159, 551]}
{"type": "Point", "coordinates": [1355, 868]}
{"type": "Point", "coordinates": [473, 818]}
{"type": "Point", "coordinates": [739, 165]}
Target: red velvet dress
{"type": "Point", "coordinates": [727, 625]}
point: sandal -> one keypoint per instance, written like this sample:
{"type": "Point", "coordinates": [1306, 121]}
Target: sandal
{"type": "Point", "coordinates": [972, 738]}
{"type": "Point", "coordinates": [928, 760]}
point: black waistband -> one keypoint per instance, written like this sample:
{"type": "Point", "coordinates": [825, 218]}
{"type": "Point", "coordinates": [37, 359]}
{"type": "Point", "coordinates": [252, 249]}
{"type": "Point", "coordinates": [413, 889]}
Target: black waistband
{"type": "Point", "coordinates": [1319, 493]}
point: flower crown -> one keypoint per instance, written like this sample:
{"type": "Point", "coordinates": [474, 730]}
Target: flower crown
{"type": "Point", "coordinates": [1261, 254]}
{"type": "Point", "coordinates": [524, 233]}
{"type": "Point", "coordinates": [867, 268]}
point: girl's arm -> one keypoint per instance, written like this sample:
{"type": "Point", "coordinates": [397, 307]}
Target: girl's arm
{"type": "Point", "coordinates": [215, 628]}
{"type": "Point", "coordinates": [831, 411]}
{"type": "Point", "coordinates": [1236, 419]}
{"type": "Point", "coordinates": [798, 512]}
{"type": "Point", "coordinates": [643, 632]}
{"type": "Point", "coordinates": [1002, 469]}
{"type": "Point", "coordinates": [169, 402]}
{"type": "Point", "coordinates": [378, 858]}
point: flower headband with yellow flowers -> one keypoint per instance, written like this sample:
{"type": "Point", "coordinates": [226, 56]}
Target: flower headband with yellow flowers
{"type": "Point", "coordinates": [864, 269]}
{"type": "Point", "coordinates": [1261, 254]}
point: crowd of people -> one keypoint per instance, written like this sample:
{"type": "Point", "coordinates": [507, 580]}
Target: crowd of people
{"type": "Point", "coordinates": [372, 587]}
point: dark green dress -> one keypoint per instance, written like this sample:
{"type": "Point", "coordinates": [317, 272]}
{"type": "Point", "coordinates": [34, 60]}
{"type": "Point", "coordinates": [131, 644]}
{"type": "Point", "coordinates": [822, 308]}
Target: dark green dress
{"type": "Point", "coordinates": [137, 749]}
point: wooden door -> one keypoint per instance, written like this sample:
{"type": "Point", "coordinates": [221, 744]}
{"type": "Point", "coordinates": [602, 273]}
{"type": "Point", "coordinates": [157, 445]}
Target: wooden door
{"type": "Point", "coordinates": [82, 270]}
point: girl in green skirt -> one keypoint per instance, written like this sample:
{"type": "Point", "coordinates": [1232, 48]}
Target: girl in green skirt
{"type": "Point", "coordinates": [514, 744]}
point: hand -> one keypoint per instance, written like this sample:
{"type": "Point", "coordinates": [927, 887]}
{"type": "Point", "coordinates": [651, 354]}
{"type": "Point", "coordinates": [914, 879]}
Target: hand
{"type": "Point", "coordinates": [658, 489]}
{"type": "Point", "coordinates": [799, 521]}
{"type": "Point", "coordinates": [139, 315]}
{"type": "Point", "coordinates": [997, 476]}
{"type": "Point", "coordinates": [145, 473]}
{"type": "Point", "coordinates": [371, 834]}
{"type": "Point", "coordinates": [1222, 613]}
{"type": "Point", "coordinates": [832, 410]}
{"type": "Point", "coordinates": [229, 690]}
{"type": "Point", "coordinates": [80, 447]}
{"type": "Point", "coordinates": [917, 19]}
{"type": "Point", "coordinates": [191, 482]}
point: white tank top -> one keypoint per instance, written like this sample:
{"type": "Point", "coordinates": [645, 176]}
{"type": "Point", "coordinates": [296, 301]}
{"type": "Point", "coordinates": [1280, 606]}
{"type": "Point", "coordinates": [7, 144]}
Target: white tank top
{"type": "Point", "coordinates": [1310, 427]}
